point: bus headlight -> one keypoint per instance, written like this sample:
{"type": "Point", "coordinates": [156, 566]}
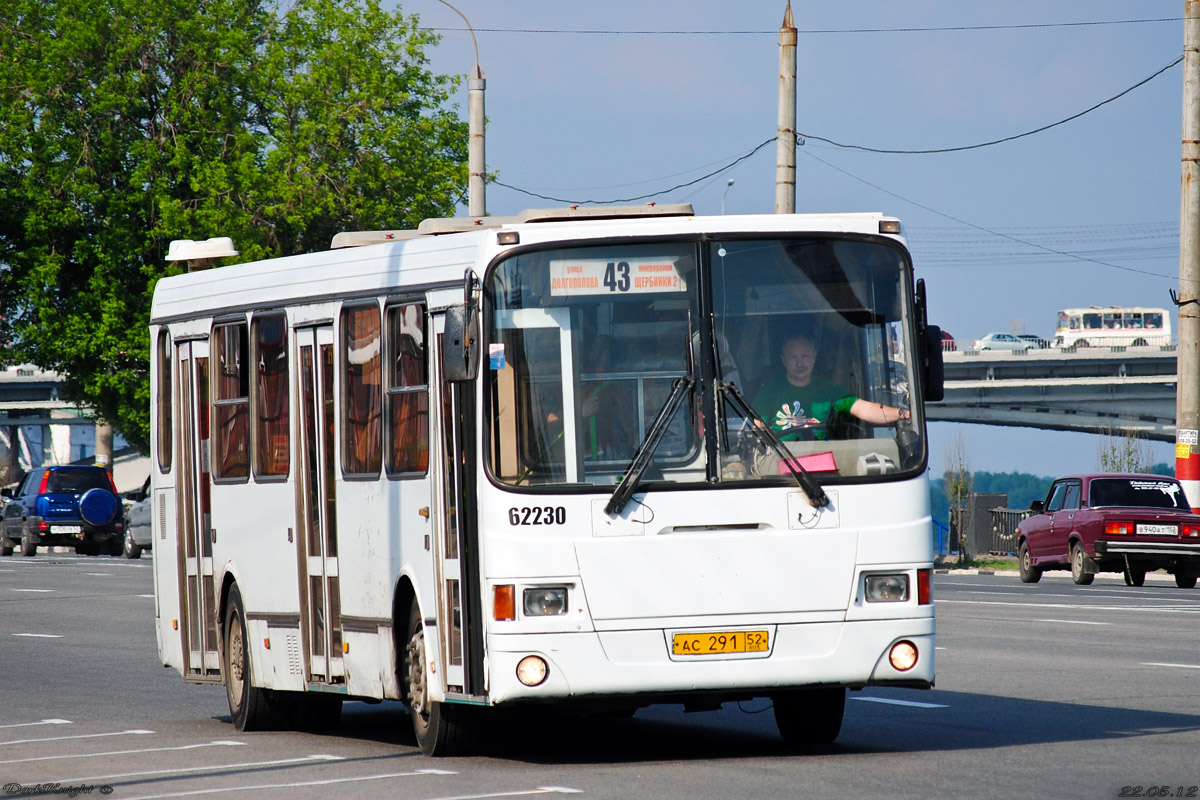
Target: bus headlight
{"type": "Point", "coordinates": [887, 588]}
{"type": "Point", "coordinates": [546, 601]}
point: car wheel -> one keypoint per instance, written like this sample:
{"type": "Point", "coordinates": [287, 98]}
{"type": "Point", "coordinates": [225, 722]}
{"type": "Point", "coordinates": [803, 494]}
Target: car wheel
{"type": "Point", "coordinates": [131, 550]}
{"type": "Point", "coordinates": [809, 719]}
{"type": "Point", "coordinates": [1079, 572]}
{"type": "Point", "coordinates": [1134, 576]}
{"type": "Point", "coordinates": [28, 548]}
{"type": "Point", "coordinates": [1029, 573]}
{"type": "Point", "coordinates": [250, 707]}
{"type": "Point", "coordinates": [1185, 581]}
{"type": "Point", "coordinates": [6, 547]}
{"type": "Point", "coordinates": [442, 729]}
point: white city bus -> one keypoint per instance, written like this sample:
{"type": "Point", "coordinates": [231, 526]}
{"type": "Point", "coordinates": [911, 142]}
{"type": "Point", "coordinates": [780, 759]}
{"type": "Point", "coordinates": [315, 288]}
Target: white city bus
{"type": "Point", "coordinates": [513, 462]}
{"type": "Point", "coordinates": [1112, 326]}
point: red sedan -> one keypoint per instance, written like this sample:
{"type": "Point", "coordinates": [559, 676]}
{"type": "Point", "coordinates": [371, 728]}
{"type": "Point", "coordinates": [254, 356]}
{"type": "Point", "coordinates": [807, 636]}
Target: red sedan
{"type": "Point", "coordinates": [1132, 524]}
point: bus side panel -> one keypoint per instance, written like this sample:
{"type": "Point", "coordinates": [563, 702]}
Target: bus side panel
{"type": "Point", "coordinates": [166, 576]}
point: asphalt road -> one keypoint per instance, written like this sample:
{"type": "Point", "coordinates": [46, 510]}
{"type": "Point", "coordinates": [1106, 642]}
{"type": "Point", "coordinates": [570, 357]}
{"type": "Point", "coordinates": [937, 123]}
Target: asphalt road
{"type": "Point", "coordinates": [1051, 690]}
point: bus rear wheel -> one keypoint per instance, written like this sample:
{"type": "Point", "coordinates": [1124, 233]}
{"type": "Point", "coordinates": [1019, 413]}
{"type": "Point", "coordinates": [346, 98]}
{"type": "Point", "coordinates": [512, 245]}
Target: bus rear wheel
{"type": "Point", "coordinates": [251, 708]}
{"type": "Point", "coordinates": [810, 719]}
{"type": "Point", "coordinates": [442, 729]}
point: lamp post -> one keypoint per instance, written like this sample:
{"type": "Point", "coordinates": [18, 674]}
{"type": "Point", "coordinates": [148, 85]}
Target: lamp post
{"type": "Point", "coordinates": [728, 186]}
{"type": "Point", "coordinates": [476, 163]}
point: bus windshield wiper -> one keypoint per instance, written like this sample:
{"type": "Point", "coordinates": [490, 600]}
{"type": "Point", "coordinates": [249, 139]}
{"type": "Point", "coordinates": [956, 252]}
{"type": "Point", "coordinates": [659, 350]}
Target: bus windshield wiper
{"type": "Point", "coordinates": [816, 494]}
{"type": "Point", "coordinates": [641, 458]}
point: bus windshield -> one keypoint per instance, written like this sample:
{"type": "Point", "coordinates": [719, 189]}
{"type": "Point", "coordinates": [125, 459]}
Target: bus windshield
{"type": "Point", "coordinates": [585, 346]}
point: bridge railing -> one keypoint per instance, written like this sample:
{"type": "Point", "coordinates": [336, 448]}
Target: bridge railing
{"type": "Point", "coordinates": [1004, 529]}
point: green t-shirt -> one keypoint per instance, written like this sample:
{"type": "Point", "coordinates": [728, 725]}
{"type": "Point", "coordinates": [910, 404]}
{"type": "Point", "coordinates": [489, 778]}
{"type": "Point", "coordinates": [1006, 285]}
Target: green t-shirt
{"type": "Point", "coordinates": [802, 412]}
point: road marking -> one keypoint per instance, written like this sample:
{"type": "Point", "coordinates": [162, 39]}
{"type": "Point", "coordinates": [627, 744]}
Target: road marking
{"type": "Point", "coordinates": [40, 635]}
{"type": "Point", "coordinates": [1194, 609]}
{"type": "Point", "coordinates": [216, 767]}
{"type": "Point", "coordinates": [1161, 664]}
{"type": "Point", "coordinates": [329, 782]}
{"type": "Point", "coordinates": [33, 590]}
{"type": "Point", "coordinates": [98, 574]}
{"type": "Point", "coordinates": [42, 722]}
{"type": "Point", "coordinates": [118, 752]}
{"type": "Point", "coordinates": [135, 732]}
{"type": "Point", "coordinates": [891, 702]}
{"type": "Point", "coordinates": [146, 595]}
{"type": "Point", "coordinates": [1073, 621]}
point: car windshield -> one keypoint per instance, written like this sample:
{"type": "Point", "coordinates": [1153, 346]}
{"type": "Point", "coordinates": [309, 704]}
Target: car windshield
{"type": "Point", "coordinates": [1138, 492]}
{"type": "Point", "coordinates": [77, 481]}
{"type": "Point", "coordinates": [586, 345]}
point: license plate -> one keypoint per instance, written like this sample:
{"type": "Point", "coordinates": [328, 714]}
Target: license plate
{"type": "Point", "coordinates": [66, 529]}
{"type": "Point", "coordinates": [1146, 529]}
{"type": "Point", "coordinates": [710, 643]}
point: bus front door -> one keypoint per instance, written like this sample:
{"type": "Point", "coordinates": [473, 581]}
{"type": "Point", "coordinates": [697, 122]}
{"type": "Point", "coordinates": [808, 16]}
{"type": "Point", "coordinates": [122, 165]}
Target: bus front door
{"type": "Point", "coordinates": [459, 611]}
{"type": "Point", "coordinates": [198, 601]}
{"type": "Point", "coordinates": [316, 487]}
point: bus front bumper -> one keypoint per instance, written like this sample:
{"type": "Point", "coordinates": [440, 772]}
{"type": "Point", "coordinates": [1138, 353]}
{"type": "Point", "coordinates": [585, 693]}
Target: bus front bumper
{"type": "Point", "coordinates": [626, 664]}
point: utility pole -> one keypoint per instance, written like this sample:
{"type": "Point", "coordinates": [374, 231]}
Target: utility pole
{"type": "Point", "coordinates": [1187, 399]}
{"type": "Point", "coordinates": [785, 143]}
{"type": "Point", "coordinates": [476, 163]}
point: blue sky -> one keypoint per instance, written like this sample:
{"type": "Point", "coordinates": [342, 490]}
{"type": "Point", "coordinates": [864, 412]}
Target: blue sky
{"type": "Point", "coordinates": [1004, 235]}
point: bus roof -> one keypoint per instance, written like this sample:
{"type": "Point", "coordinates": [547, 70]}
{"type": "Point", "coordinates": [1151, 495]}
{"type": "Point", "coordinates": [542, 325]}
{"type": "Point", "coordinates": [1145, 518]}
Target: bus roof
{"type": "Point", "coordinates": [367, 264]}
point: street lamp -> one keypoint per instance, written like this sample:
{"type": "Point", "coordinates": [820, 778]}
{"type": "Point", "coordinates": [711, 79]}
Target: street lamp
{"type": "Point", "coordinates": [727, 187]}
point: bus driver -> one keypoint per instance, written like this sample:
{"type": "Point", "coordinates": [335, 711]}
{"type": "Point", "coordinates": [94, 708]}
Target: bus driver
{"type": "Point", "coordinates": [798, 407]}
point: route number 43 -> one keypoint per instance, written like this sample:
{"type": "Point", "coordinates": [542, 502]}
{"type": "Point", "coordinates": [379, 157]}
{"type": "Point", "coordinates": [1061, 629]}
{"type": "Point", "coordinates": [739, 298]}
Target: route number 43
{"type": "Point", "coordinates": [616, 276]}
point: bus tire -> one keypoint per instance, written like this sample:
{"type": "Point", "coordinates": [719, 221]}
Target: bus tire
{"type": "Point", "coordinates": [1029, 573]}
{"type": "Point", "coordinates": [441, 729]}
{"type": "Point", "coordinates": [810, 719]}
{"type": "Point", "coordinates": [251, 708]}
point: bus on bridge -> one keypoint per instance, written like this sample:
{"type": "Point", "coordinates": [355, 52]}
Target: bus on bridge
{"type": "Point", "coordinates": [1113, 326]}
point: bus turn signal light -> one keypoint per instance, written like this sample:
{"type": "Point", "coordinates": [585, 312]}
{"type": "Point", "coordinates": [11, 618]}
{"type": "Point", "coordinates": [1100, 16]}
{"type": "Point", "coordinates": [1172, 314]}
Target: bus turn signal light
{"type": "Point", "coordinates": [504, 603]}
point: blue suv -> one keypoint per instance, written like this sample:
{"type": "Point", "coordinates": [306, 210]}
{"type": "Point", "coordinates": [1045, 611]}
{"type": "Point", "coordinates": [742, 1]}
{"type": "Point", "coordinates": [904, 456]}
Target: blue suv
{"type": "Point", "coordinates": [73, 506]}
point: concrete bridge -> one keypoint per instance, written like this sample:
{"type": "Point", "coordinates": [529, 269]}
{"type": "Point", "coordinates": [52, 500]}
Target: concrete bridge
{"type": "Point", "coordinates": [1104, 390]}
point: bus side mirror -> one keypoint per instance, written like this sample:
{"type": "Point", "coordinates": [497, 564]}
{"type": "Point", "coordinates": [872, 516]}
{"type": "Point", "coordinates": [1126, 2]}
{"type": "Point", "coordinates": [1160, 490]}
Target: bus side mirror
{"type": "Point", "coordinates": [460, 344]}
{"type": "Point", "coordinates": [934, 374]}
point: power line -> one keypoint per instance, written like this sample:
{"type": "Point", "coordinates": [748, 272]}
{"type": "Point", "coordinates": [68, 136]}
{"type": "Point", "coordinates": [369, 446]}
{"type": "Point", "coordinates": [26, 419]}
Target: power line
{"type": "Point", "coordinates": [813, 31]}
{"type": "Point", "coordinates": [994, 141]}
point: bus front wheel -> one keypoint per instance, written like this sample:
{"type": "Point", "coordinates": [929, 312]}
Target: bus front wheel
{"type": "Point", "coordinates": [811, 718]}
{"type": "Point", "coordinates": [442, 729]}
{"type": "Point", "coordinates": [251, 708]}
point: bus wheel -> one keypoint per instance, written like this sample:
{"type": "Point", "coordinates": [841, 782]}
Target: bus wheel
{"type": "Point", "coordinates": [442, 729]}
{"type": "Point", "coordinates": [250, 707]}
{"type": "Point", "coordinates": [809, 719]}
{"type": "Point", "coordinates": [1029, 573]}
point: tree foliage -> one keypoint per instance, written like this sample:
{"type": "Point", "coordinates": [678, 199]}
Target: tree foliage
{"type": "Point", "coordinates": [126, 124]}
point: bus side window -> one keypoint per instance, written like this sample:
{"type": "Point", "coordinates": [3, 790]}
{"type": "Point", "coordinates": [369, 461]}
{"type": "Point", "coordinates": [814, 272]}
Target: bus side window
{"type": "Point", "coordinates": [166, 433]}
{"type": "Point", "coordinates": [231, 402]}
{"type": "Point", "coordinates": [408, 391]}
{"type": "Point", "coordinates": [362, 406]}
{"type": "Point", "coordinates": [272, 450]}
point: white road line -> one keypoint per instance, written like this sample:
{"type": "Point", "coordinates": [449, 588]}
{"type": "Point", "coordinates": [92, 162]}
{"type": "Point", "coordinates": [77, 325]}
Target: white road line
{"type": "Point", "coordinates": [213, 767]}
{"type": "Point", "coordinates": [891, 702]}
{"type": "Point", "coordinates": [329, 782]}
{"type": "Point", "coordinates": [122, 752]}
{"type": "Point", "coordinates": [146, 595]}
{"type": "Point", "coordinates": [135, 732]}
{"type": "Point", "coordinates": [1073, 621]}
{"type": "Point", "coordinates": [40, 635]}
{"type": "Point", "coordinates": [1161, 664]}
{"type": "Point", "coordinates": [33, 590]}
{"type": "Point", "coordinates": [1195, 609]}
{"type": "Point", "coordinates": [42, 722]}
{"type": "Point", "coordinates": [98, 574]}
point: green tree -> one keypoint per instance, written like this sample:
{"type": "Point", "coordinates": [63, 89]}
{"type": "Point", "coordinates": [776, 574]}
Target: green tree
{"type": "Point", "coordinates": [958, 482]}
{"type": "Point", "coordinates": [126, 124]}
